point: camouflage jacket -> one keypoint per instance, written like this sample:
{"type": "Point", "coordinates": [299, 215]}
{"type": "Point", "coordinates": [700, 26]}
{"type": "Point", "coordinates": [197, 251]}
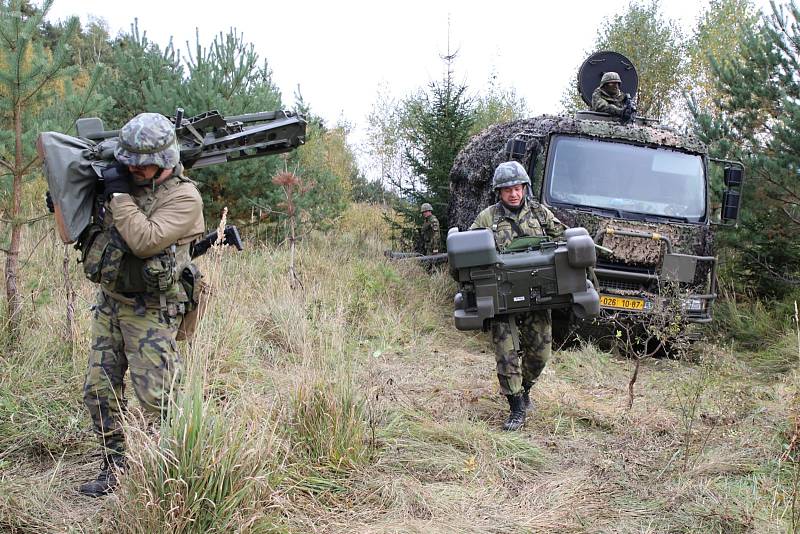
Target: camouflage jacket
{"type": "Point", "coordinates": [151, 220]}
{"type": "Point", "coordinates": [532, 220]}
{"type": "Point", "coordinates": [430, 234]}
{"type": "Point", "coordinates": [605, 103]}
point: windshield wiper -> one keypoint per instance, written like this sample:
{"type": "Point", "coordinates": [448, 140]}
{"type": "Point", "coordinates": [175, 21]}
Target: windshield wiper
{"type": "Point", "coordinates": [655, 218]}
{"type": "Point", "coordinates": [594, 210]}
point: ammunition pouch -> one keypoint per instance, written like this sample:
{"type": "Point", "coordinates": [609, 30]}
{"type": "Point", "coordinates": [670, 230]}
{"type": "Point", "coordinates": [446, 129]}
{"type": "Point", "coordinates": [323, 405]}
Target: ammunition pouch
{"type": "Point", "coordinates": [159, 272]}
{"type": "Point", "coordinates": [197, 291]}
{"type": "Point", "coordinates": [92, 244]}
{"type": "Point", "coordinates": [107, 260]}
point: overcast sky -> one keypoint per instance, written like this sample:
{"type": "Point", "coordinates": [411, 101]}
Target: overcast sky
{"type": "Point", "coordinates": [340, 53]}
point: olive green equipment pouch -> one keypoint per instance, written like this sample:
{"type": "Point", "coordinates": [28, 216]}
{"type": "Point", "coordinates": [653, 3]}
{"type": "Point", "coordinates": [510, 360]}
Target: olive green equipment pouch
{"type": "Point", "coordinates": [198, 292]}
{"type": "Point", "coordinates": [115, 254]}
{"type": "Point", "coordinates": [93, 244]}
{"type": "Point", "coordinates": [159, 271]}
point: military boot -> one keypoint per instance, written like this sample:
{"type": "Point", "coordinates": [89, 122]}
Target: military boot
{"type": "Point", "coordinates": [516, 416]}
{"type": "Point", "coordinates": [106, 479]}
{"type": "Point", "coordinates": [526, 398]}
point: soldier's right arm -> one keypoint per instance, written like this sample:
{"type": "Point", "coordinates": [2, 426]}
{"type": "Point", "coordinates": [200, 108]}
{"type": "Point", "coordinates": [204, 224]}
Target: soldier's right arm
{"type": "Point", "coordinates": [483, 220]}
{"type": "Point", "coordinates": [179, 217]}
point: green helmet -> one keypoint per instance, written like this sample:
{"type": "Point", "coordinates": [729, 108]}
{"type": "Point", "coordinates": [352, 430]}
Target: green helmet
{"type": "Point", "coordinates": [609, 77]}
{"type": "Point", "coordinates": [510, 173]}
{"type": "Point", "coordinates": [148, 139]}
{"type": "Point", "coordinates": [426, 207]}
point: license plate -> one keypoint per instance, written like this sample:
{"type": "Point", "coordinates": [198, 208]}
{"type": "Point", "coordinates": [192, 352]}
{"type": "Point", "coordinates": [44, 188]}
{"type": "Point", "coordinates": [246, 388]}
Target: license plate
{"type": "Point", "coordinates": [621, 303]}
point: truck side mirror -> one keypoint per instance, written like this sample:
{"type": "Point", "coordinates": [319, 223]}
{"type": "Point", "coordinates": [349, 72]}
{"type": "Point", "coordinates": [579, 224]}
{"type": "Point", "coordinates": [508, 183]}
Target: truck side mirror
{"type": "Point", "coordinates": [733, 177]}
{"type": "Point", "coordinates": [516, 147]}
{"type": "Point", "coordinates": [730, 205]}
{"type": "Point", "coordinates": [733, 183]}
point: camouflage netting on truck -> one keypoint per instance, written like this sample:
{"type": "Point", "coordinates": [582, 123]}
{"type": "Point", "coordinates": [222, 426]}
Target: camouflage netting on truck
{"type": "Point", "coordinates": [685, 238]}
{"type": "Point", "coordinates": [471, 175]}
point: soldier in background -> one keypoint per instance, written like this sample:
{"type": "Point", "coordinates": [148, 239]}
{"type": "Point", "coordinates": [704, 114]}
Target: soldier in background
{"type": "Point", "coordinates": [608, 98]}
{"type": "Point", "coordinates": [523, 341]}
{"type": "Point", "coordinates": [431, 239]}
{"type": "Point", "coordinates": [151, 216]}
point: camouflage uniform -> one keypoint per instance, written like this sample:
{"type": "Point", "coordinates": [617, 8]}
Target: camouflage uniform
{"type": "Point", "coordinates": [430, 235]}
{"type": "Point", "coordinates": [135, 322]}
{"type": "Point", "coordinates": [530, 334]}
{"type": "Point", "coordinates": [606, 103]}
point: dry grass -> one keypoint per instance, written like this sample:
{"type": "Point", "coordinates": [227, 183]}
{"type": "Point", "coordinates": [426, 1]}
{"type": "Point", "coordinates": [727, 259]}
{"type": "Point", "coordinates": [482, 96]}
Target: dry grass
{"type": "Point", "coordinates": [352, 405]}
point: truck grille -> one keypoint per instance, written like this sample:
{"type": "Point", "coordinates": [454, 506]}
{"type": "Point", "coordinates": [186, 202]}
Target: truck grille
{"type": "Point", "coordinates": [620, 285]}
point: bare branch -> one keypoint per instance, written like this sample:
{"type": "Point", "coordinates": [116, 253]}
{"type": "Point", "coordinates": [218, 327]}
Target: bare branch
{"type": "Point", "coordinates": [791, 217]}
{"type": "Point", "coordinates": [772, 273]}
{"type": "Point", "coordinates": [29, 164]}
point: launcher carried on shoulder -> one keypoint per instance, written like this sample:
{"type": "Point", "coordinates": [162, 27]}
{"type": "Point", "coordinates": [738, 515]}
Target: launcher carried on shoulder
{"type": "Point", "coordinates": [539, 275]}
{"type": "Point", "coordinates": [74, 165]}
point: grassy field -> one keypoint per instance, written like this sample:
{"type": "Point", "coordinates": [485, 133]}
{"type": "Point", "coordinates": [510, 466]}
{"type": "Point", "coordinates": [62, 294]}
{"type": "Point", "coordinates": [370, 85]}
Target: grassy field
{"type": "Point", "coordinates": [352, 405]}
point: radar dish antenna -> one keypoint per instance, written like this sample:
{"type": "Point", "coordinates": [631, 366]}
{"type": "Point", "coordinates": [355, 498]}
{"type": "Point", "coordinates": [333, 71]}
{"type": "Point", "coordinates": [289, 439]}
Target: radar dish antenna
{"type": "Point", "coordinates": [598, 64]}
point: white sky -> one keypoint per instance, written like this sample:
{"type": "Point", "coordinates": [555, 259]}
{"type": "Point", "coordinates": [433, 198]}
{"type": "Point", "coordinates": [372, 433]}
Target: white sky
{"type": "Point", "coordinates": [340, 53]}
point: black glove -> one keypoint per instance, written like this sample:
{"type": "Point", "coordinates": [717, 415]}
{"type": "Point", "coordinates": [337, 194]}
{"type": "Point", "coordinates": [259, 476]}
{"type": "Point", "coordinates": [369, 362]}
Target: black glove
{"type": "Point", "coordinates": [49, 201]}
{"type": "Point", "coordinates": [116, 179]}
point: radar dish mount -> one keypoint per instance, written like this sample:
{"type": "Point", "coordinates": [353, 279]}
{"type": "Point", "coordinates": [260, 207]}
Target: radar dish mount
{"type": "Point", "coordinates": [599, 63]}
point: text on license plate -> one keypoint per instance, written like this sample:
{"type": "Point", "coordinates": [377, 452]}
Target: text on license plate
{"type": "Point", "coordinates": [622, 303]}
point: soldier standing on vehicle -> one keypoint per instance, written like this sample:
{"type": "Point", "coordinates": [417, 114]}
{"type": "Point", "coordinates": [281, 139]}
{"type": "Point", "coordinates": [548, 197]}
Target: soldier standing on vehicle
{"type": "Point", "coordinates": [523, 341]}
{"type": "Point", "coordinates": [608, 98]}
{"type": "Point", "coordinates": [431, 238]}
{"type": "Point", "coordinates": [152, 215]}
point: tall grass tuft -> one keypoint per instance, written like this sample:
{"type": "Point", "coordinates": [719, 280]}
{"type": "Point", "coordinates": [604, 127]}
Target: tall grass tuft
{"type": "Point", "coordinates": [209, 469]}
{"type": "Point", "coordinates": [329, 430]}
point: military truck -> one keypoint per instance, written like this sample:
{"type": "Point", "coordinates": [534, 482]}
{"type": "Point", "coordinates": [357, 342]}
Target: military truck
{"type": "Point", "coordinates": [642, 190]}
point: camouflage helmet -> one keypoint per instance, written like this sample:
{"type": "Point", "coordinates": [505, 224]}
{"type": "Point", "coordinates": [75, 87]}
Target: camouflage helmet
{"type": "Point", "coordinates": [148, 139]}
{"type": "Point", "coordinates": [425, 207]}
{"type": "Point", "coordinates": [610, 77]}
{"type": "Point", "coordinates": [510, 173]}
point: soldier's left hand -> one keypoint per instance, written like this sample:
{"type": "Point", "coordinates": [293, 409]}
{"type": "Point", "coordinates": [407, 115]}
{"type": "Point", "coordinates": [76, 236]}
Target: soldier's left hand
{"type": "Point", "coordinates": [117, 179]}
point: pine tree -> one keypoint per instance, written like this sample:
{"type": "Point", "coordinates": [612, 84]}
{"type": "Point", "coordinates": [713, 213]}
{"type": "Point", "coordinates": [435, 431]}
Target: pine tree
{"type": "Point", "coordinates": [142, 77]}
{"type": "Point", "coordinates": [436, 124]}
{"type": "Point", "coordinates": [758, 122]}
{"type": "Point", "coordinates": [32, 77]}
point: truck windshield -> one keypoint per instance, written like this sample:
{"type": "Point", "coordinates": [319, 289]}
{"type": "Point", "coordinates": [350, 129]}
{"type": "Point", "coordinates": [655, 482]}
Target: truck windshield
{"type": "Point", "coordinates": [624, 177]}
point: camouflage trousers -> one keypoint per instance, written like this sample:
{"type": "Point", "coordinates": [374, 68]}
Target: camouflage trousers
{"type": "Point", "coordinates": [518, 369]}
{"type": "Point", "coordinates": [123, 340]}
